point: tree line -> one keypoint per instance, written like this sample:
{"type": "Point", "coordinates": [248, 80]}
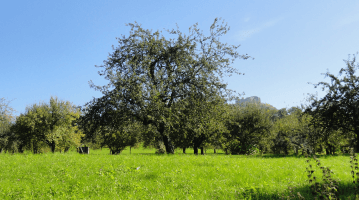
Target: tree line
{"type": "Point", "coordinates": [169, 93]}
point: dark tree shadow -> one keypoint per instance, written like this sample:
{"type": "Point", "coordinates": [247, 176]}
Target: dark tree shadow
{"type": "Point", "coordinates": [297, 156]}
{"type": "Point", "coordinates": [345, 191]}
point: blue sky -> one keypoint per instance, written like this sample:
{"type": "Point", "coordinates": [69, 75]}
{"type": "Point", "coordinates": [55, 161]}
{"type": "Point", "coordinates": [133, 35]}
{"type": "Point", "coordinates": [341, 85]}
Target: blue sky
{"type": "Point", "coordinates": [50, 48]}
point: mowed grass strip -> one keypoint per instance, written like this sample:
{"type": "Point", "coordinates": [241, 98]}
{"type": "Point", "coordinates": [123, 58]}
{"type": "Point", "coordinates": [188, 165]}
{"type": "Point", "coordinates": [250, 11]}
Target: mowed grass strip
{"type": "Point", "coordinates": [151, 176]}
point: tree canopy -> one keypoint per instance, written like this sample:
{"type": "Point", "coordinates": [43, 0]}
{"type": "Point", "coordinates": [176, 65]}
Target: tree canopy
{"type": "Point", "coordinates": [52, 124]}
{"type": "Point", "coordinates": [339, 108]}
{"type": "Point", "coordinates": [6, 120]}
{"type": "Point", "coordinates": [150, 77]}
{"type": "Point", "coordinates": [249, 126]}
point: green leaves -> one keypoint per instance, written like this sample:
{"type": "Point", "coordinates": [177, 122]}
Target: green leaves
{"type": "Point", "coordinates": [336, 111]}
{"type": "Point", "coordinates": [249, 125]}
{"type": "Point", "coordinates": [6, 120]}
{"type": "Point", "coordinates": [49, 124]}
{"type": "Point", "coordinates": [149, 75]}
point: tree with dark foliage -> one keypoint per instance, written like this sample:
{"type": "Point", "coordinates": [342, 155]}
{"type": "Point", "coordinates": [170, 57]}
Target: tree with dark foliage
{"type": "Point", "coordinates": [339, 108]}
{"type": "Point", "coordinates": [149, 75]}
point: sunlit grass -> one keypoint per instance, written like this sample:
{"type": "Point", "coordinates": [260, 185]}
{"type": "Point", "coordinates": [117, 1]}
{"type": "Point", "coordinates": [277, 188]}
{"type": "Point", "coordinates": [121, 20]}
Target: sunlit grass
{"type": "Point", "coordinates": [145, 175]}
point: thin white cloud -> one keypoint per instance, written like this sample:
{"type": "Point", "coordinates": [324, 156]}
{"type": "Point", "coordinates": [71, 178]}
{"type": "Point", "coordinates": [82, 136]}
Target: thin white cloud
{"type": "Point", "coordinates": [245, 34]}
{"type": "Point", "coordinates": [246, 19]}
{"type": "Point", "coordinates": [347, 20]}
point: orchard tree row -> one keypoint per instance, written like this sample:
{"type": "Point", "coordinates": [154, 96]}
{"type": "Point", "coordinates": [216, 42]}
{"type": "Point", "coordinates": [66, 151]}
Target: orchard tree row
{"type": "Point", "coordinates": [50, 125]}
{"type": "Point", "coordinates": [169, 93]}
{"type": "Point", "coordinates": [235, 128]}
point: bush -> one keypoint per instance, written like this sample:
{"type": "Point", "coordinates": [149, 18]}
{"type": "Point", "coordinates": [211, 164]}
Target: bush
{"type": "Point", "coordinates": [234, 147]}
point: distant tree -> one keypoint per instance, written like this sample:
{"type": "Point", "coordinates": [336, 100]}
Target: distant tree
{"type": "Point", "coordinates": [94, 140]}
{"type": "Point", "coordinates": [295, 130]}
{"type": "Point", "coordinates": [295, 110]}
{"type": "Point", "coordinates": [325, 136]}
{"type": "Point", "coordinates": [6, 111]}
{"type": "Point", "coordinates": [286, 131]}
{"type": "Point", "coordinates": [200, 123]}
{"type": "Point", "coordinates": [115, 132]}
{"type": "Point", "coordinates": [248, 126]}
{"type": "Point", "coordinates": [6, 120]}
{"type": "Point", "coordinates": [279, 114]}
{"type": "Point", "coordinates": [119, 137]}
{"type": "Point", "coordinates": [52, 124]}
{"type": "Point", "coordinates": [339, 108]}
{"type": "Point", "coordinates": [148, 75]}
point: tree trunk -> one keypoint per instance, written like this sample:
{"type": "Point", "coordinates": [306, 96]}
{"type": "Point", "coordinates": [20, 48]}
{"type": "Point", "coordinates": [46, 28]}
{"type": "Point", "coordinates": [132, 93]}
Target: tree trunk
{"type": "Point", "coordinates": [52, 146]}
{"type": "Point", "coordinates": [296, 151]}
{"type": "Point", "coordinates": [214, 151]}
{"type": "Point", "coordinates": [1, 150]}
{"type": "Point", "coordinates": [20, 149]}
{"type": "Point", "coordinates": [168, 144]}
{"type": "Point", "coordinates": [195, 149]}
{"type": "Point", "coordinates": [166, 139]}
{"type": "Point", "coordinates": [184, 150]}
{"type": "Point", "coordinates": [197, 142]}
{"type": "Point", "coordinates": [327, 151]}
{"type": "Point", "coordinates": [130, 149]}
{"type": "Point", "coordinates": [356, 149]}
{"type": "Point", "coordinates": [321, 149]}
{"type": "Point", "coordinates": [243, 149]}
{"type": "Point", "coordinates": [34, 150]}
{"type": "Point", "coordinates": [115, 152]}
{"type": "Point", "coordinates": [278, 151]}
{"type": "Point", "coordinates": [314, 151]}
{"type": "Point", "coordinates": [202, 151]}
{"type": "Point", "coordinates": [330, 149]}
{"type": "Point", "coordinates": [286, 150]}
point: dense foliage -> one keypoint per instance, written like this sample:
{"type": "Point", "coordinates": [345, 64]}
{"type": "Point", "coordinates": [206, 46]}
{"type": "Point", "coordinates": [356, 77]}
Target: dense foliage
{"type": "Point", "coordinates": [338, 110]}
{"type": "Point", "coordinates": [151, 80]}
{"type": "Point", "coordinates": [249, 127]}
{"type": "Point", "coordinates": [50, 124]}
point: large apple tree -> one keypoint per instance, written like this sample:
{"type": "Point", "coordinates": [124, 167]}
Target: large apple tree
{"type": "Point", "coordinates": [151, 76]}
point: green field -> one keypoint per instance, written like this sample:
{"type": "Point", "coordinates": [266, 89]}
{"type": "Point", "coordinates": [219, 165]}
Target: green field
{"type": "Point", "coordinates": [145, 175]}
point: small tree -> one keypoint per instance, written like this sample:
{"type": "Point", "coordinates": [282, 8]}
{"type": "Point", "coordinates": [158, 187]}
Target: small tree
{"type": "Point", "coordinates": [285, 134]}
{"type": "Point", "coordinates": [248, 126]}
{"type": "Point", "coordinates": [50, 124]}
{"type": "Point", "coordinates": [127, 134]}
{"type": "Point", "coordinates": [199, 123]}
{"type": "Point", "coordinates": [6, 120]}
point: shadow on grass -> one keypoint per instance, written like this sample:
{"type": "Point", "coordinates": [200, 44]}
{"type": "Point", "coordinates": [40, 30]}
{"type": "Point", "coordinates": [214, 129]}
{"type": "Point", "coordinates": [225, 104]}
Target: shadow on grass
{"type": "Point", "coordinates": [345, 191]}
{"type": "Point", "coordinates": [296, 156]}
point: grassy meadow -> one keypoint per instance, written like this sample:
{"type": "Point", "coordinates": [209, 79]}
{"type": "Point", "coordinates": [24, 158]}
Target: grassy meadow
{"type": "Point", "coordinates": [145, 175]}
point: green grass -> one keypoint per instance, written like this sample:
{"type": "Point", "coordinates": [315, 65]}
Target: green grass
{"type": "Point", "coordinates": [180, 176]}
